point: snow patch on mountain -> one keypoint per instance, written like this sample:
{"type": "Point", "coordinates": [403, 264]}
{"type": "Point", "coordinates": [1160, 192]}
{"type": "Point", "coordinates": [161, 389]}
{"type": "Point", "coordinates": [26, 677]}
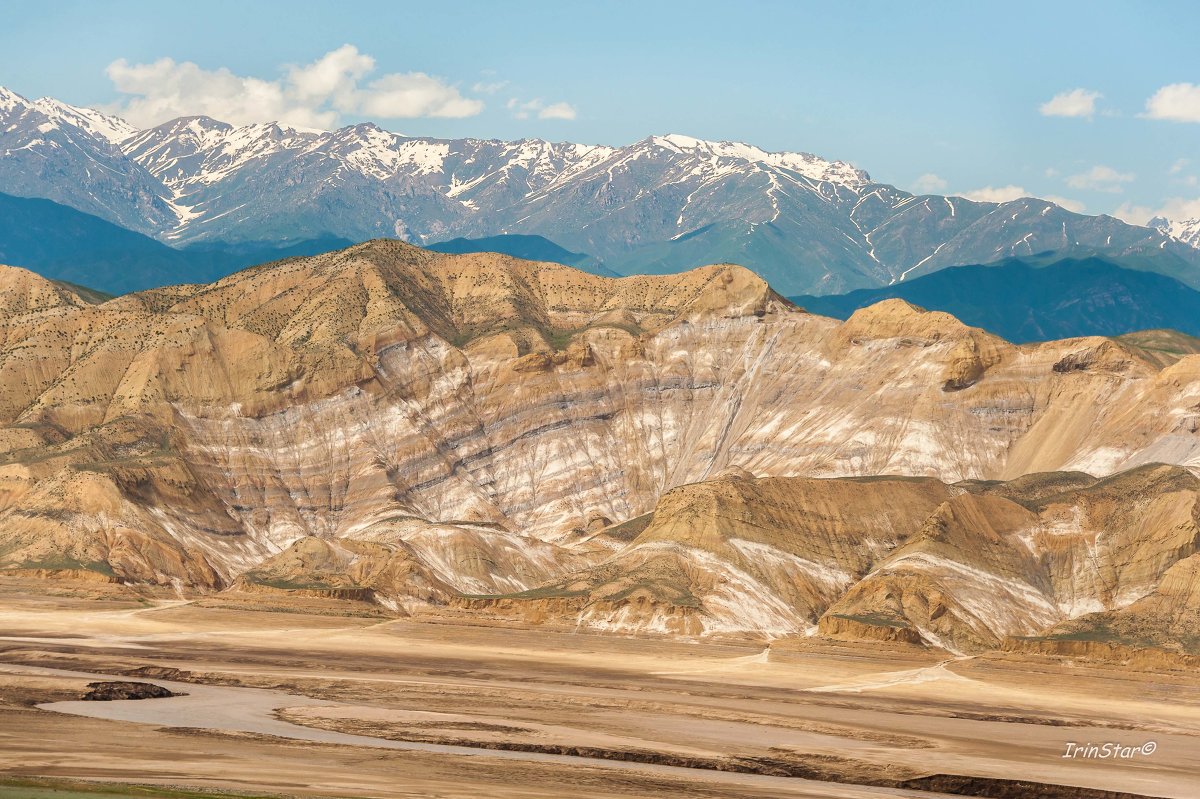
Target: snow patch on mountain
{"type": "Point", "coordinates": [808, 165]}
{"type": "Point", "coordinates": [112, 129]}
{"type": "Point", "coordinates": [1185, 230]}
{"type": "Point", "coordinates": [375, 153]}
{"type": "Point", "coordinates": [9, 101]}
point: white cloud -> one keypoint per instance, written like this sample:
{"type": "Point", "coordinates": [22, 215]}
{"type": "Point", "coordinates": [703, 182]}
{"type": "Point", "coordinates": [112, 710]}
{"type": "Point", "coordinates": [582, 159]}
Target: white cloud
{"type": "Point", "coordinates": [1004, 194]}
{"type": "Point", "coordinates": [1066, 202]}
{"type": "Point", "coordinates": [996, 194]}
{"type": "Point", "coordinates": [929, 183]}
{"type": "Point", "coordinates": [165, 89]}
{"type": "Point", "coordinates": [1075, 103]}
{"type": "Point", "coordinates": [527, 108]}
{"type": "Point", "coordinates": [334, 75]}
{"type": "Point", "coordinates": [557, 111]}
{"type": "Point", "coordinates": [1177, 169]}
{"type": "Point", "coordinates": [1178, 102]}
{"type": "Point", "coordinates": [313, 95]}
{"type": "Point", "coordinates": [1176, 209]}
{"type": "Point", "coordinates": [519, 109]}
{"type": "Point", "coordinates": [415, 94]}
{"type": "Point", "coordinates": [488, 87]}
{"type": "Point", "coordinates": [1180, 209]}
{"type": "Point", "coordinates": [1101, 178]}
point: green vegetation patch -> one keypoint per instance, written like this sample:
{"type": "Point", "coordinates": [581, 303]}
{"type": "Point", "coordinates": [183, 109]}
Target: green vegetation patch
{"type": "Point", "coordinates": [295, 585]}
{"type": "Point", "coordinates": [873, 619]}
{"type": "Point", "coordinates": [1102, 632]}
{"type": "Point", "coordinates": [64, 563]}
{"type": "Point", "coordinates": [558, 339]}
{"type": "Point", "coordinates": [39, 788]}
{"type": "Point", "coordinates": [672, 595]}
{"type": "Point", "coordinates": [543, 592]}
{"type": "Point", "coordinates": [627, 531]}
{"type": "Point", "coordinates": [88, 295]}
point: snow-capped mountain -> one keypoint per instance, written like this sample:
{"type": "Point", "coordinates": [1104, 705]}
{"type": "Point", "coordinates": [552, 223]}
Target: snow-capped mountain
{"type": "Point", "coordinates": [112, 129]}
{"type": "Point", "coordinates": [662, 204]}
{"type": "Point", "coordinates": [59, 152]}
{"type": "Point", "coordinates": [1186, 230]}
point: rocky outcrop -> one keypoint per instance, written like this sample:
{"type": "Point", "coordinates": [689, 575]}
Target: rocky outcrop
{"type": "Point", "coordinates": [739, 553]}
{"type": "Point", "coordinates": [870, 628]}
{"type": "Point", "coordinates": [115, 691]}
{"type": "Point", "coordinates": [1018, 560]}
{"type": "Point", "coordinates": [967, 567]}
{"type": "Point", "coordinates": [1167, 619]}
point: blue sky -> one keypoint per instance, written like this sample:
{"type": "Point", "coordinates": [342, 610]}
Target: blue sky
{"type": "Point", "coordinates": [940, 96]}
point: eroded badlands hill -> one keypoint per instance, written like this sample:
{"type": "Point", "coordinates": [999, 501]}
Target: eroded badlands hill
{"type": "Point", "coordinates": [392, 423]}
{"type": "Point", "coordinates": [964, 566]}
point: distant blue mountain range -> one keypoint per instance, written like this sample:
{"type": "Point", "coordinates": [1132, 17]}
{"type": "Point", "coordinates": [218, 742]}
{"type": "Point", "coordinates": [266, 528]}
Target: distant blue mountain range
{"type": "Point", "coordinates": [1039, 299]}
{"type": "Point", "coordinates": [531, 248]}
{"type": "Point", "coordinates": [61, 243]}
{"type": "Point", "coordinates": [1022, 299]}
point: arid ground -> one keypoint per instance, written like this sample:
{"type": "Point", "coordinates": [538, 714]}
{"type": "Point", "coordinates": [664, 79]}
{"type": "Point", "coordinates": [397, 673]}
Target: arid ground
{"type": "Point", "coordinates": [302, 701]}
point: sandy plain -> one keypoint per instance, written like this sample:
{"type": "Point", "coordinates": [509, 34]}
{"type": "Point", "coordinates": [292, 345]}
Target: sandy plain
{"type": "Point", "coordinates": [332, 699]}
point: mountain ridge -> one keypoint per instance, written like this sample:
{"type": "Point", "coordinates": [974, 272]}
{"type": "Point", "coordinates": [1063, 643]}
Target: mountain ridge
{"type": "Point", "coordinates": [1185, 230]}
{"type": "Point", "coordinates": [529, 248]}
{"type": "Point", "coordinates": [1026, 300]}
{"type": "Point", "coordinates": [62, 243]}
{"type": "Point", "coordinates": [662, 204]}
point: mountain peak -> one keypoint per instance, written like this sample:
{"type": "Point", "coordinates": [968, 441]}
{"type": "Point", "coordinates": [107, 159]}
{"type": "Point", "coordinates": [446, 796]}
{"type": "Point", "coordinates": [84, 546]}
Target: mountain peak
{"type": "Point", "coordinates": [811, 166]}
{"type": "Point", "coordinates": [898, 318]}
{"type": "Point", "coordinates": [112, 129]}
{"type": "Point", "coordinates": [67, 117]}
{"type": "Point", "coordinates": [10, 100]}
{"type": "Point", "coordinates": [195, 123]}
{"type": "Point", "coordinates": [1185, 230]}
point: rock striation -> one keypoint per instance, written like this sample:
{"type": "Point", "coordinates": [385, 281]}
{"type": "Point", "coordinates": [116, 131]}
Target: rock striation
{"type": "Point", "coordinates": [416, 428]}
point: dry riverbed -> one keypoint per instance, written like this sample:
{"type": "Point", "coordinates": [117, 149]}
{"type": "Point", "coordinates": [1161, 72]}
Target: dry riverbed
{"type": "Point", "coordinates": [354, 705]}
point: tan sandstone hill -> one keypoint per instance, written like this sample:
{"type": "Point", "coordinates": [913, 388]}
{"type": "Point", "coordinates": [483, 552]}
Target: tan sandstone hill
{"type": "Point", "coordinates": [964, 566]}
{"type": "Point", "coordinates": [428, 427]}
